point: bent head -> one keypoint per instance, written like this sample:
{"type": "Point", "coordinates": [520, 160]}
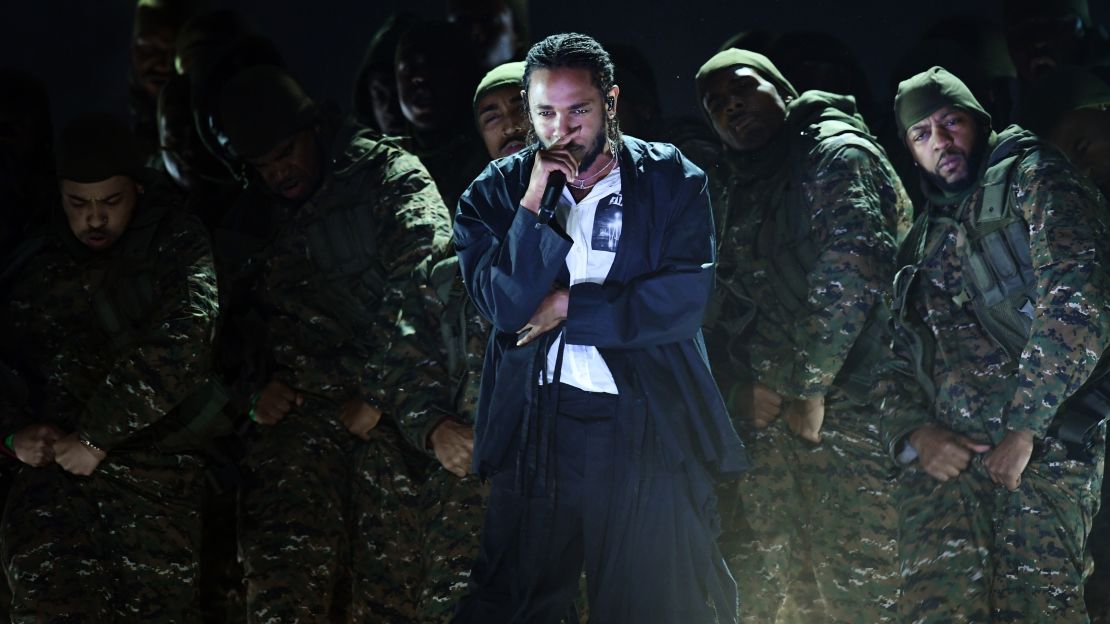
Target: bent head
{"type": "Point", "coordinates": [99, 212]}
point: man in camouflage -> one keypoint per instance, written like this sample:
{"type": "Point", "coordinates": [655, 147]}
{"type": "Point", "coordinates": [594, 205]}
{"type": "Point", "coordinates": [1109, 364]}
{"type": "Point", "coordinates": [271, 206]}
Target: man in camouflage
{"type": "Point", "coordinates": [351, 379]}
{"type": "Point", "coordinates": [454, 499]}
{"type": "Point", "coordinates": [1002, 303]}
{"type": "Point", "coordinates": [112, 310]}
{"type": "Point", "coordinates": [1070, 108]}
{"type": "Point", "coordinates": [499, 110]}
{"type": "Point", "coordinates": [806, 237]}
{"type": "Point", "coordinates": [435, 71]}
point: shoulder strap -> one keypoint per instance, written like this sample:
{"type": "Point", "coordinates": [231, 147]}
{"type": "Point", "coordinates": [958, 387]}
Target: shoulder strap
{"type": "Point", "coordinates": [126, 295]}
{"type": "Point", "coordinates": [995, 185]}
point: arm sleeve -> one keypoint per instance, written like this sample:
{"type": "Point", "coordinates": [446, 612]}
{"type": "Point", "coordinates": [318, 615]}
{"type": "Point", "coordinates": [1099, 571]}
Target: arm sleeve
{"type": "Point", "coordinates": [1070, 327]}
{"type": "Point", "coordinates": [855, 265]}
{"type": "Point", "coordinates": [666, 305]}
{"type": "Point", "coordinates": [507, 274]}
{"type": "Point", "coordinates": [904, 406]}
{"type": "Point", "coordinates": [152, 377]}
{"type": "Point", "coordinates": [14, 413]}
{"type": "Point", "coordinates": [410, 379]}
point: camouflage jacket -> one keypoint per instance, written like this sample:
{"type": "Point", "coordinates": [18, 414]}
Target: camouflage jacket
{"type": "Point", "coordinates": [823, 167]}
{"type": "Point", "coordinates": [117, 338]}
{"type": "Point", "coordinates": [453, 163]}
{"type": "Point", "coordinates": [464, 334]}
{"type": "Point", "coordinates": [980, 390]}
{"type": "Point", "coordinates": [339, 285]}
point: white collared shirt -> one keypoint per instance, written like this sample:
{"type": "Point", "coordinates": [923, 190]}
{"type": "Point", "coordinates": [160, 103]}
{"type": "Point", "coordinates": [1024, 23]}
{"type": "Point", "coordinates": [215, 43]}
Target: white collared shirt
{"type": "Point", "coordinates": [594, 226]}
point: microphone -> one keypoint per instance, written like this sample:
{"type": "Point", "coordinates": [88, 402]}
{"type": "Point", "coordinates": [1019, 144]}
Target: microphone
{"type": "Point", "coordinates": [556, 180]}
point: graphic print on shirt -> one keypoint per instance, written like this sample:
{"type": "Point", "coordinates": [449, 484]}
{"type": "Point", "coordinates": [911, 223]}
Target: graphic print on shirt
{"type": "Point", "coordinates": [608, 219]}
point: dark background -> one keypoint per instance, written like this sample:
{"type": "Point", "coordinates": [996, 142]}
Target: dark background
{"type": "Point", "coordinates": [80, 47]}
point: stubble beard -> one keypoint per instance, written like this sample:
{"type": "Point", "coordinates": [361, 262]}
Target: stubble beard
{"type": "Point", "coordinates": [593, 151]}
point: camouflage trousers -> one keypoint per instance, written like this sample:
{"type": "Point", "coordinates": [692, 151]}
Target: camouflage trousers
{"type": "Point", "coordinates": [332, 528]}
{"type": "Point", "coordinates": [117, 546]}
{"type": "Point", "coordinates": [810, 531]}
{"type": "Point", "coordinates": [453, 510]}
{"type": "Point", "coordinates": [323, 525]}
{"type": "Point", "coordinates": [1097, 590]}
{"type": "Point", "coordinates": [973, 551]}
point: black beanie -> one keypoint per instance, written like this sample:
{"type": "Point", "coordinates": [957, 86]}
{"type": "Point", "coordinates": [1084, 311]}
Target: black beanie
{"type": "Point", "coordinates": [95, 147]}
{"type": "Point", "coordinates": [262, 106]}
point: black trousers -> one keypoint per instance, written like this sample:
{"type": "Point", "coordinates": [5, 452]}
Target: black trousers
{"type": "Point", "coordinates": [645, 532]}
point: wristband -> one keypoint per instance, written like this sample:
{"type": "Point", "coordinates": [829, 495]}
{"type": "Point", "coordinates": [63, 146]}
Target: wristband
{"type": "Point", "coordinates": [10, 442]}
{"type": "Point", "coordinates": [92, 446]}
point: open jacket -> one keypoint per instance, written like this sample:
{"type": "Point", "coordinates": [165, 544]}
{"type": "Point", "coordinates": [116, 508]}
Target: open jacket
{"type": "Point", "coordinates": [644, 319]}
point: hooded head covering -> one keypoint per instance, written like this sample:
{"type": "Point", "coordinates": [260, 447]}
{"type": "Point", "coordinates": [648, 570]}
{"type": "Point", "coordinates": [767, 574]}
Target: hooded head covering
{"type": "Point", "coordinates": [504, 75]}
{"type": "Point", "coordinates": [380, 57]}
{"type": "Point", "coordinates": [931, 90]}
{"type": "Point", "coordinates": [95, 147]}
{"type": "Point", "coordinates": [262, 106]}
{"type": "Point", "coordinates": [1066, 89]}
{"type": "Point", "coordinates": [746, 58]}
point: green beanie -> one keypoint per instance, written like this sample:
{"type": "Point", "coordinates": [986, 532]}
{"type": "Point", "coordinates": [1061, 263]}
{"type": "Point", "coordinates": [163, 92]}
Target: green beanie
{"type": "Point", "coordinates": [262, 106]}
{"type": "Point", "coordinates": [506, 75]}
{"type": "Point", "coordinates": [931, 90]}
{"type": "Point", "coordinates": [746, 58]}
{"type": "Point", "coordinates": [95, 147]}
{"type": "Point", "coordinates": [1066, 89]}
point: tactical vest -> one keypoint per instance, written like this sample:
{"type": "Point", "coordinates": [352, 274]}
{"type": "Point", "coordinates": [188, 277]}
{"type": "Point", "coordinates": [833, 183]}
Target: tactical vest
{"type": "Point", "coordinates": [786, 243]}
{"type": "Point", "coordinates": [997, 268]}
{"type": "Point", "coordinates": [996, 265]}
{"type": "Point", "coordinates": [999, 286]}
{"type": "Point", "coordinates": [124, 296]}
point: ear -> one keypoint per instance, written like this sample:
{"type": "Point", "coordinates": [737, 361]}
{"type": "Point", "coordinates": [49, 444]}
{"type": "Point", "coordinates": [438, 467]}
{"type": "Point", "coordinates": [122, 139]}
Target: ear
{"type": "Point", "coordinates": [611, 101]}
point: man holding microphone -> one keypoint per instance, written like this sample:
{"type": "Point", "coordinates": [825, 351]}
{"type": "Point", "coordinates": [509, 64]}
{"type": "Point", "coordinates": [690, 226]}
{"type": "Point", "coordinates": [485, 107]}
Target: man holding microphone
{"type": "Point", "coordinates": [599, 424]}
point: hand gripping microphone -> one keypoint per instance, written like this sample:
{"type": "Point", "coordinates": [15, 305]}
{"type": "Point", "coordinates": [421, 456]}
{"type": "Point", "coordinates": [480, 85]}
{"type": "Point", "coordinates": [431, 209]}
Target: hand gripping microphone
{"type": "Point", "coordinates": [556, 180]}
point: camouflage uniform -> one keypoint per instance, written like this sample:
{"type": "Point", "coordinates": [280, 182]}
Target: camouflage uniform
{"type": "Point", "coordinates": [119, 339]}
{"type": "Point", "coordinates": [453, 508]}
{"type": "Point", "coordinates": [341, 315]}
{"type": "Point", "coordinates": [971, 550]}
{"type": "Point", "coordinates": [453, 164]}
{"type": "Point", "coordinates": [822, 510]}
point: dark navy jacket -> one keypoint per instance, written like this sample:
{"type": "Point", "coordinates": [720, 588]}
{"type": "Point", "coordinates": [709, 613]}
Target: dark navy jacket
{"type": "Point", "coordinates": [645, 320]}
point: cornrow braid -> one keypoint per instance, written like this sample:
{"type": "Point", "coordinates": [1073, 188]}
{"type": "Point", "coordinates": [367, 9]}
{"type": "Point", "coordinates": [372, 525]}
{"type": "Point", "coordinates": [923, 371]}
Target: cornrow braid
{"type": "Point", "coordinates": [577, 51]}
